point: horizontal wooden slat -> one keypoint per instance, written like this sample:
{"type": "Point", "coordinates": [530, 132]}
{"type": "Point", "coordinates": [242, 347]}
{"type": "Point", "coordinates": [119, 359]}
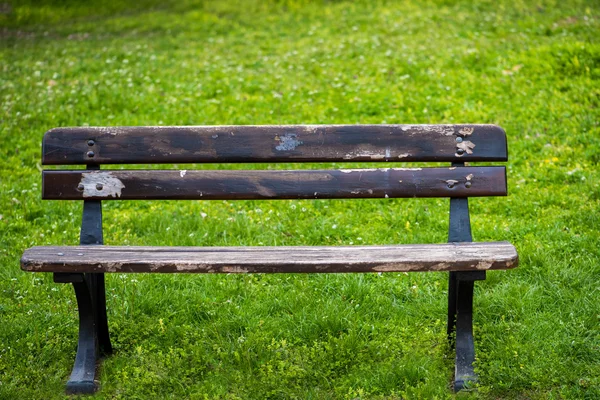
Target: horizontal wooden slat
{"type": "Point", "coordinates": [397, 258]}
{"type": "Point", "coordinates": [274, 184]}
{"type": "Point", "coordinates": [291, 143]}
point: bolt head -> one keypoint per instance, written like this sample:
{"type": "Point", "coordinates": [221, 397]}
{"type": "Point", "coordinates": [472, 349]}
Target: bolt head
{"type": "Point", "coordinates": [99, 186]}
{"type": "Point", "coordinates": [460, 151]}
{"type": "Point", "coordinates": [80, 187]}
{"type": "Point", "coordinates": [90, 154]}
{"type": "Point", "coordinates": [91, 142]}
{"type": "Point", "coordinates": [459, 139]}
{"type": "Point", "coordinates": [468, 184]}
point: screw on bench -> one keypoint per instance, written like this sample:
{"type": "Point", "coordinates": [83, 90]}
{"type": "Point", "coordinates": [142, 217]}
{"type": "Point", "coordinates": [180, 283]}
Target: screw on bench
{"type": "Point", "coordinates": [90, 154]}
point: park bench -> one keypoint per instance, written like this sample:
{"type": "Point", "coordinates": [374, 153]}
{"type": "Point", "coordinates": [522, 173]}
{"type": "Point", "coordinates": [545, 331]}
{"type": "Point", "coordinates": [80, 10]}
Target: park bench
{"type": "Point", "coordinates": [85, 265]}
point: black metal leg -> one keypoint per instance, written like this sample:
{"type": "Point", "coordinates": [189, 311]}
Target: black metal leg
{"type": "Point", "coordinates": [464, 375]}
{"type": "Point", "coordinates": [102, 322]}
{"type": "Point", "coordinates": [460, 297]}
{"type": "Point", "coordinates": [94, 339]}
{"type": "Point", "coordinates": [451, 306]}
{"type": "Point", "coordinates": [84, 370]}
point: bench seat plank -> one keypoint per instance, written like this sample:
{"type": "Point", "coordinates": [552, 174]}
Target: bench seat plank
{"type": "Point", "coordinates": [391, 258]}
{"type": "Point", "coordinates": [274, 184]}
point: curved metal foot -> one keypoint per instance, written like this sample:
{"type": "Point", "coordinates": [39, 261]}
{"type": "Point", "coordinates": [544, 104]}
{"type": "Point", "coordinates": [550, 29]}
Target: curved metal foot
{"type": "Point", "coordinates": [467, 384]}
{"type": "Point", "coordinates": [81, 387]}
{"type": "Point", "coordinates": [93, 329]}
{"type": "Point", "coordinates": [84, 370]}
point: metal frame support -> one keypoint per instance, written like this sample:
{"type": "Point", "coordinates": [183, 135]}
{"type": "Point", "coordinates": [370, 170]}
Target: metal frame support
{"type": "Point", "coordinates": [94, 340]}
{"type": "Point", "coordinates": [460, 298]}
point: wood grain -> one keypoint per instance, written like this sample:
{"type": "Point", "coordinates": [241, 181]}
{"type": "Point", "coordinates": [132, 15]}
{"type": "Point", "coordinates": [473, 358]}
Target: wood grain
{"type": "Point", "coordinates": [283, 143]}
{"type": "Point", "coordinates": [274, 184]}
{"type": "Point", "coordinates": [396, 258]}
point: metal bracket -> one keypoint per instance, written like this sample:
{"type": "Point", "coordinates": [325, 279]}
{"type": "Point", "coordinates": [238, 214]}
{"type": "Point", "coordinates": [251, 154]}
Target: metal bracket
{"type": "Point", "coordinates": [471, 276]}
{"type": "Point", "coordinates": [66, 277]}
{"type": "Point", "coordinates": [460, 297]}
{"type": "Point", "coordinates": [89, 288]}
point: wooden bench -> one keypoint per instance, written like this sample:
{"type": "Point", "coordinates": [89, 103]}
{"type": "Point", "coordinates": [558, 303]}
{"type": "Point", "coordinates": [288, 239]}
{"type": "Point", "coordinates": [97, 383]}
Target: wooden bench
{"type": "Point", "coordinates": [84, 266]}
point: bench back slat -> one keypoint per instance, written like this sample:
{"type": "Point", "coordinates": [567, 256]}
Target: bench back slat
{"type": "Point", "coordinates": [274, 184]}
{"type": "Point", "coordinates": [283, 143]}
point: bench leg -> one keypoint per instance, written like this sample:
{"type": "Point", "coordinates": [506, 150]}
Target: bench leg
{"type": "Point", "coordinates": [102, 320]}
{"type": "Point", "coordinates": [94, 340]}
{"type": "Point", "coordinates": [460, 319]}
{"type": "Point", "coordinates": [451, 307]}
{"type": "Point", "coordinates": [464, 375]}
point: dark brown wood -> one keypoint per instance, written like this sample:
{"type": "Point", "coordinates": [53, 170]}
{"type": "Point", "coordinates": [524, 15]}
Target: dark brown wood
{"type": "Point", "coordinates": [291, 143]}
{"type": "Point", "coordinates": [274, 184]}
{"type": "Point", "coordinates": [397, 258]}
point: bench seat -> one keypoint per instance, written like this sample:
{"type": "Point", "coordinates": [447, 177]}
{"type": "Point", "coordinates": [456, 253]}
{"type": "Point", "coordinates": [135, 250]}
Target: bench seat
{"type": "Point", "coordinates": [391, 258]}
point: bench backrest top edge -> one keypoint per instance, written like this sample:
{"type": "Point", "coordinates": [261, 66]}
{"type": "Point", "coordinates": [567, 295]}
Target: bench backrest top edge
{"type": "Point", "coordinates": [273, 143]}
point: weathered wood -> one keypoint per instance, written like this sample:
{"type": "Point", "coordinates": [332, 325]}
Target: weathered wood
{"type": "Point", "coordinates": [274, 184]}
{"type": "Point", "coordinates": [291, 143]}
{"type": "Point", "coordinates": [396, 258]}
{"type": "Point", "coordinates": [85, 266]}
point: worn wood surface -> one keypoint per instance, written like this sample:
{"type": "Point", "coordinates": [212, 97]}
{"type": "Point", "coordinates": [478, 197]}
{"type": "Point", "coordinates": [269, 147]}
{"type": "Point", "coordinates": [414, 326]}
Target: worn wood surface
{"type": "Point", "coordinates": [395, 258]}
{"type": "Point", "coordinates": [291, 143]}
{"type": "Point", "coordinates": [274, 184]}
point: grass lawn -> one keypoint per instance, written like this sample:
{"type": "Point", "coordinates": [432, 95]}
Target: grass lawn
{"type": "Point", "coordinates": [532, 67]}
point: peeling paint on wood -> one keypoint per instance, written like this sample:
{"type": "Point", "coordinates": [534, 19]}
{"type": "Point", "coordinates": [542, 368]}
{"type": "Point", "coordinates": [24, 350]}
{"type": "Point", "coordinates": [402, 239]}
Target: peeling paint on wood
{"type": "Point", "coordinates": [466, 131]}
{"type": "Point", "coordinates": [445, 130]}
{"type": "Point", "coordinates": [483, 265]}
{"type": "Point", "coordinates": [288, 142]}
{"type": "Point", "coordinates": [467, 146]}
{"type": "Point", "coordinates": [100, 184]}
{"type": "Point", "coordinates": [349, 171]}
{"type": "Point", "coordinates": [364, 154]}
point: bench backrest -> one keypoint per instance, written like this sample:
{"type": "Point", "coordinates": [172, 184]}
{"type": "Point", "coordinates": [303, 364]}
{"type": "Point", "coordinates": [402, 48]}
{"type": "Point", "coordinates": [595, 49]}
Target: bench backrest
{"type": "Point", "coordinates": [94, 146]}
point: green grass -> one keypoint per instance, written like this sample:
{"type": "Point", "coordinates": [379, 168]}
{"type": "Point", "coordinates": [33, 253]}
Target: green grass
{"type": "Point", "coordinates": [531, 67]}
